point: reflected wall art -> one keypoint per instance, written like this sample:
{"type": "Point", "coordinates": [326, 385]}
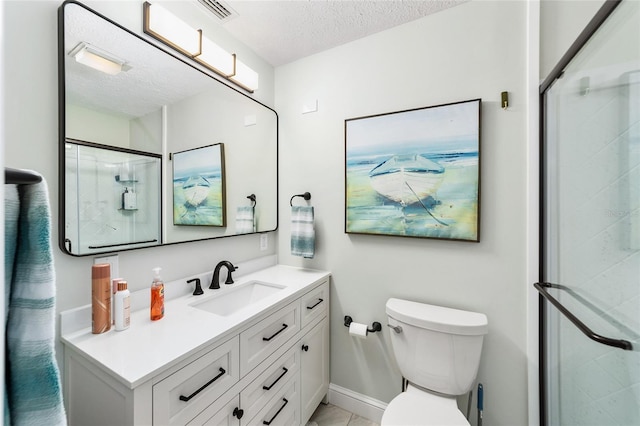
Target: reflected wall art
{"type": "Point", "coordinates": [198, 186]}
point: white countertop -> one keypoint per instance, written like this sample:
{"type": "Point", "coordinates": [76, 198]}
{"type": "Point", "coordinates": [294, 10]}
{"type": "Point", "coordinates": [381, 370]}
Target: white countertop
{"type": "Point", "coordinates": [147, 347]}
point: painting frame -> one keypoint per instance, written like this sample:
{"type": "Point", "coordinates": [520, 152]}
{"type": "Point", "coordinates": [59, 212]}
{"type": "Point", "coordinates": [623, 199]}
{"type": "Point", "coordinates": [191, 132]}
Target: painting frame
{"type": "Point", "coordinates": [199, 186]}
{"type": "Point", "coordinates": [415, 173]}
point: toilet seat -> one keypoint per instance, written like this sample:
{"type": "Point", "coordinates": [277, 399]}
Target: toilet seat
{"type": "Point", "coordinates": [416, 407]}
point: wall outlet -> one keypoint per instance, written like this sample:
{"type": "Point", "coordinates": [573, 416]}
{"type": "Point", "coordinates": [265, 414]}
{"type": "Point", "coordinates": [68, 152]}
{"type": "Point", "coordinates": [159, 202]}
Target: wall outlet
{"type": "Point", "coordinates": [264, 241]}
{"type": "Point", "coordinates": [113, 261]}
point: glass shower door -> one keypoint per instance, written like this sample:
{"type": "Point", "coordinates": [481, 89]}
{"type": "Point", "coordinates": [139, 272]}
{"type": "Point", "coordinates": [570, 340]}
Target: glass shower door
{"type": "Point", "coordinates": [591, 230]}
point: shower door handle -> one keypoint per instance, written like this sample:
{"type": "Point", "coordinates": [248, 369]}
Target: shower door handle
{"type": "Point", "coordinates": [617, 343]}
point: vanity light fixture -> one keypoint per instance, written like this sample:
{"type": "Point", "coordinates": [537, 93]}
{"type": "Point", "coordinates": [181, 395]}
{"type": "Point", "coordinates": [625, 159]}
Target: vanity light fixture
{"type": "Point", "coordinates": [216, 58]}
{"type": "Point", "coordinates": [245, 77]}
{"type": "Point", "coordinates": [175, 33]}
{"type": "Point", "coordinates": [161, 24]}
{"type": "Point", "coordinates": [98, 59]}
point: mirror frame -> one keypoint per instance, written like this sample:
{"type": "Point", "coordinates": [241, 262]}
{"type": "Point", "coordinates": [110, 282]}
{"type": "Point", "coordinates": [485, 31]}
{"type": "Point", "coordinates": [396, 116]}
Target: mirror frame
{"type": "Point", "coordinates": [62, 137]}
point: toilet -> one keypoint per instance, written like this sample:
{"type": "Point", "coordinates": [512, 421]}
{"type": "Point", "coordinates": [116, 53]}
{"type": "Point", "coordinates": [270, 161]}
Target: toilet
{"type": "Point", "coordinates": [438, 352]}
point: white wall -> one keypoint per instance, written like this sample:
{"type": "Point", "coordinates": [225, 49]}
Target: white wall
{"type": "Point", "coordinates": [462, 53]}
{"type": "Point", "coordinates": [30, 140]}
{"type": "Point", "coordinates": [560, 24]}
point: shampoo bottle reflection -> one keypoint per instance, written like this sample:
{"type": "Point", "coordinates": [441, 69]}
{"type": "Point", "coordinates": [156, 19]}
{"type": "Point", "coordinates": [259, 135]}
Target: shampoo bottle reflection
{"type": "Point", "coordinates": [157, 296]}
{"type": "Point", "coordinates": [100, 298]}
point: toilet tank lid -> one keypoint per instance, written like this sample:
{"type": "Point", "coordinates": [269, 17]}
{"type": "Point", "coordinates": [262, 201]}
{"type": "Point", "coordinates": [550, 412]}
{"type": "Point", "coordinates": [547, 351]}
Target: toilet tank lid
{"type": "Point", "coordinates": [438, 318]}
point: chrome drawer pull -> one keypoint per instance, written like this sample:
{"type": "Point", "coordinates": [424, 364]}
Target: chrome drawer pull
{"type": "Point", "coordinates": [187, 398]}
{"type": "Point", "coordinates": [264, 422]}
{"type": "Point", "coordinates": [319, 302]}
{"type": "Point", "coordinates": [277, 380]}
{"type": "Point", "coordinates": [266, 339]}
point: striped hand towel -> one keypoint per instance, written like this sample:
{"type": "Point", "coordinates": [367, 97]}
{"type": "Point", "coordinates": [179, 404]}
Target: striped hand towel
{"type": "Point", "coordinates": [245, 220]}
{"type": "Point", "coordinates": [303, 236]}
{"type": "Point", "coordinates": [32, 376]}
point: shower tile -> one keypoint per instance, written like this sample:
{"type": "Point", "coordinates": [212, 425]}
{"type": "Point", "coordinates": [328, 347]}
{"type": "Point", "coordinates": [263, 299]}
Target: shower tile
{"type": "Point", "coordinates": [596, 382]}
{"type": "Point", "coordinates": [623, 406]}
{"type": "Point", "coordinates": [589, 414]}
{"type": "Point", "coordinates": [624, 366]}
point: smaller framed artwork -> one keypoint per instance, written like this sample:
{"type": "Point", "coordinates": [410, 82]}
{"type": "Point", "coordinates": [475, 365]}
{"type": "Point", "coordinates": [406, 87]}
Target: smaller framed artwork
{"type": "Point", "coordinates": [199, 186]}
{"type": "Point", "coordinates": [415, 173]}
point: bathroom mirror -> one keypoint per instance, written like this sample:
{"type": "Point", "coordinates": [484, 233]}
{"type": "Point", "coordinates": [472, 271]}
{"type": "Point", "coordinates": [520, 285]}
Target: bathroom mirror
{"type": "Point", "coordinates": [149, 103]}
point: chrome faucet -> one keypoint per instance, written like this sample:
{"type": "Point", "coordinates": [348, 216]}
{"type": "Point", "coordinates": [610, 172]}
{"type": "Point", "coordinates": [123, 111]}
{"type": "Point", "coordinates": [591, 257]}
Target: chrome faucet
{"type": "Point", "coordinates": [215, 280]}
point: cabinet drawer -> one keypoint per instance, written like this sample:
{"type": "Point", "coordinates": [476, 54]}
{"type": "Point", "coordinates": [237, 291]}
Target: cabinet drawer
{"type": "Point", "coordinates": [269, 383]}
{"type": "Point", "coordinates": [188, 391]}
{"type": "Point", "coordinates": [261, 340]}
{"type": "Point", "coordinates": [283, 409]}
{"type": "Point", "coordinates": [314, 304]}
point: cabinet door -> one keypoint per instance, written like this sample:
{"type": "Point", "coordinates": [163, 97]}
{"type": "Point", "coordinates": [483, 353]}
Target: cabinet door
{"type": "Point", "coordinates": [314, 368]}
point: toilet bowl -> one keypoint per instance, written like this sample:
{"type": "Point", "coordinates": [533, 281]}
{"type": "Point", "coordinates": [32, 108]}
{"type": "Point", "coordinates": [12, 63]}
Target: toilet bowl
{"type": "Point", "coordinates": [418, 407]}
{"type": "Point", "coordinates": [438, 351]}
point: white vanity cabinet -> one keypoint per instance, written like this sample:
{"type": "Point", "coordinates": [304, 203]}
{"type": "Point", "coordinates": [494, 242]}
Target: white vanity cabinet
{"type": "Point", "coordinates": [271, 370]}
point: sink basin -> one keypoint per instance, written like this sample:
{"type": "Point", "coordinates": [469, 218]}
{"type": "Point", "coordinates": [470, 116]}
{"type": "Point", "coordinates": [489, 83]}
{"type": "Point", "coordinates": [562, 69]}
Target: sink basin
{"type": "Point", "coordinates": [233, 300]}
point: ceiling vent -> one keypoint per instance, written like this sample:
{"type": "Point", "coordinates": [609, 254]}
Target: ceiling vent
{"type": "Point", "coordinates": [223, 11]}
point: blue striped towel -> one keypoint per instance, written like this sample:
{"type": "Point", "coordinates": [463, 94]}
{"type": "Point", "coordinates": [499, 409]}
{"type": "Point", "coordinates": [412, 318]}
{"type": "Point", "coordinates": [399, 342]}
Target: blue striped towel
{"type": "Point", "coordinates": [303, 236]}
{"type": "Point", "coordinates": [32, 378]}
{"type": "Point", "coordinates": [245, 221]}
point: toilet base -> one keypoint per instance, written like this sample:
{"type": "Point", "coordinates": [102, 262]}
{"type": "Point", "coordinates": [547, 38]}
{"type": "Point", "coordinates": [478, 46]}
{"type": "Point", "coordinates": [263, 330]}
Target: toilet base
{"type": "Point", "coordinates": [418, 407]}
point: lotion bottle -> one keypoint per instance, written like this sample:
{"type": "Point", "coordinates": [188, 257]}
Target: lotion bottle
{"type": "Point", "coordinates": [157, 296]}
{"type": "Point", "coordinates": [122, 307]}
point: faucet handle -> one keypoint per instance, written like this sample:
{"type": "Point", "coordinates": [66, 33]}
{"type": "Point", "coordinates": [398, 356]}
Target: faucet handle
{"type": "Point", "coordinates": [198, 290]}
{"type": "Point", "coordinates": [229, 277]}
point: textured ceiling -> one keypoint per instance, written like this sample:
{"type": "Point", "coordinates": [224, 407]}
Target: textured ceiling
{"type": "Point", "coordinates": [278, 31]}
{"type": "Point", "coordinates": [284, 31]}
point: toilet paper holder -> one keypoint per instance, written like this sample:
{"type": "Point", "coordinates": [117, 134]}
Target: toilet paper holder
{"type": "Point", "coordinates": [376, 326]}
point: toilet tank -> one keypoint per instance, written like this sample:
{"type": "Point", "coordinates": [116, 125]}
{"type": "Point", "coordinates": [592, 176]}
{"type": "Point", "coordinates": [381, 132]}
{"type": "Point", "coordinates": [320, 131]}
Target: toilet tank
{"type": "Point", "coordinates": [438, 348]}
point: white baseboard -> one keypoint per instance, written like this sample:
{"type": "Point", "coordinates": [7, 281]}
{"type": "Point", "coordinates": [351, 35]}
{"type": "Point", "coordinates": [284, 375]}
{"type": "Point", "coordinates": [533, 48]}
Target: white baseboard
{"type": "Point", "coordinates": [356, 403]}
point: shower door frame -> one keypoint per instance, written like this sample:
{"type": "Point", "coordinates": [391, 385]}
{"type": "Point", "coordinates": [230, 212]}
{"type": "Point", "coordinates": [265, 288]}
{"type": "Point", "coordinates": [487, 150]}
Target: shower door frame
{"type": "Point", "coordinates": [601, 16]}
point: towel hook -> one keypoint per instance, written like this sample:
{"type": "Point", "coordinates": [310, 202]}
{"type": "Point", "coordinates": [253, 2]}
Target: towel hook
{"type": "Point", "coordinates": [252, 197]}
{"type": "Point", "coordinates": [306, 196]}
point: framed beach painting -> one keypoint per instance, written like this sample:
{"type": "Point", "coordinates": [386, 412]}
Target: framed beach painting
{"type": "Point", "coordinates": [199, 186]}
{"type": "Point", "coordinates": [415, 173]}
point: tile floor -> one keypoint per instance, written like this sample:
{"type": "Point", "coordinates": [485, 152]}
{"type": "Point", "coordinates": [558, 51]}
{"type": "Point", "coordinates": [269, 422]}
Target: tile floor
{"type": "Point", "coordinates": [330, 415]}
